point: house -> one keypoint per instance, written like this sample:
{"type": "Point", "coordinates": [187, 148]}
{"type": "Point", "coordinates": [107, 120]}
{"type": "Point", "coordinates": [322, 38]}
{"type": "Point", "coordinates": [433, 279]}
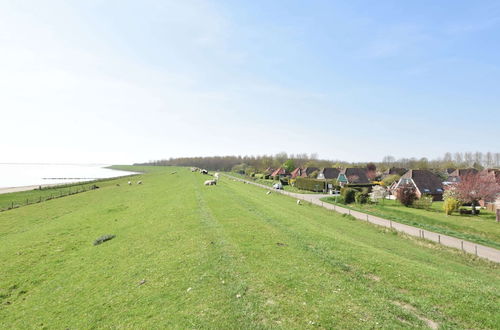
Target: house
{"type": "Point", "coordinates": [308, 171]}
{"type": "Point", "coordinates": [456, 175]}
{"type": "Point", "coordinates": [425, 183]}
{"type": "Point", "coordinates": [394, 171]}
{"type": "Point", "coordinates": [296, 172]}
{"type": "Point", "coordinates": [495, 173]}
{"type": "Point", "coordinates": [353, 175]}
{"type": "Point", "coordinates": [495, 204]}
{"type": "Point", "coordinates": [279, 172]}
{"type": "Point", "coordinates": [267, 172]}
{"type": "Point", "coordinates": [303, 172]}
{"type": "Point", "coordinates": [450, 170]}
{"type": "Point", "coordinates": [328, 173]}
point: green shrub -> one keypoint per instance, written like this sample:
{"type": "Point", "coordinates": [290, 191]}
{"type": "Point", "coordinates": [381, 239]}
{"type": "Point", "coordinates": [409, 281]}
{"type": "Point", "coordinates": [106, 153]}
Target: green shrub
{"type": "Point", "coordinates": [349, 195]}
{"type": "Point", "coordinates": [361, 197]}
{"type": "Point", "coordinates": [390, 179]}
{"type": "Point", "coordinates": [312, 184]}
{"type": "Point", "coordinates": [450, 205]}
{"type": "Point", "coordinates": [259, 176]}
{"type": "Point", "coordinates": [424, 202]}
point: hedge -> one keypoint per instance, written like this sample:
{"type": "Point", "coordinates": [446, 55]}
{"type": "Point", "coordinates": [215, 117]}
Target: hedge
{"type": "Point", "coordinates": [313, 184]}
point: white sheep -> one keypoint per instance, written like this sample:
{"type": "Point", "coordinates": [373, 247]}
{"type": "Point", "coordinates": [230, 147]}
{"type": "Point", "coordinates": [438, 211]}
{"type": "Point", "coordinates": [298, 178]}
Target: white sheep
{"type": "Point", "coordinates": [139, 182]}
{"type": "Point", "coordinates": [268, 193]}
{"type": "Point", "coordinates": [210, 183]}
{"type": "Point", "coordinates": [298, 202]}
{"type": "Point", "coordinates": [129, 183]}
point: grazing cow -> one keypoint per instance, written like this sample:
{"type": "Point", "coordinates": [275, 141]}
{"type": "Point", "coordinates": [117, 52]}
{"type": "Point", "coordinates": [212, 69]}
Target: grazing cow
{"type": "Point", "coordinates": [129, 183]}
{"type": "Point", "coordinates": [210, 183]}
{"type": "Point", "coordinates": [139, 182]}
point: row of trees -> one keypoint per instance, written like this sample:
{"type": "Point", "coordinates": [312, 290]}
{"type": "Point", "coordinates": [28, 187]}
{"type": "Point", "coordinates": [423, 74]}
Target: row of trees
{"type": "Point", "coordinates": [248, 163]}
{"type": "Point", "coordinates": [477, 160]}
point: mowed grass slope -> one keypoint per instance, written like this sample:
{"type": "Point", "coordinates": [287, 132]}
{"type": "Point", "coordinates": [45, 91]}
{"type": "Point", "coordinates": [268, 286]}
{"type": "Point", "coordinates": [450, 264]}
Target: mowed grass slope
{"type": "Point", "coordinates": [226, 256]}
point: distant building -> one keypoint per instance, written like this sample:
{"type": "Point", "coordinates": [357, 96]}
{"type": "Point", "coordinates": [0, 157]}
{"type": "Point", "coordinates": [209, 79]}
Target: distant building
{"type": "Point", "coordinates": [303, 172]}
{"type": "Point", "coordinates": [424, 181]}
{"type": "Point", "coordinates": [394, 171]}
{"type": "Point", "coordinates": [457, 175]}
{"type": "Point", "coordinates": [328, 173]}
{"type": "Point", "coordinates": [353, 175]}
{"type": "Point", "coordinates": [279, 172]}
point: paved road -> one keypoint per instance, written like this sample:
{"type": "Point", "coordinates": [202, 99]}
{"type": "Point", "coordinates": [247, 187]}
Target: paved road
{"type": "Point", "coordinates": [466, 246]}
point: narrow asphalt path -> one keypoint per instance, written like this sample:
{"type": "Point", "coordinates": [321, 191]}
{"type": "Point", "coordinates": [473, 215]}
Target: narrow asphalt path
{"type": "Point", "coordinates": [466, 246]}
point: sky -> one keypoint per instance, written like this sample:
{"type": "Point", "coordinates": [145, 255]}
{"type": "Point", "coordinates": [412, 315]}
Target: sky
{"type": "Point", "coordinates": [118, 82]}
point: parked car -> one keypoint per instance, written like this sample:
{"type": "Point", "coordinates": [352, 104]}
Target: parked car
{"type": "Point", "coordinates": [278, 186]}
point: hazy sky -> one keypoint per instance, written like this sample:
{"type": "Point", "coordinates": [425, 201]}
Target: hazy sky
{"type": "Point", "coordinates": [130, 81]}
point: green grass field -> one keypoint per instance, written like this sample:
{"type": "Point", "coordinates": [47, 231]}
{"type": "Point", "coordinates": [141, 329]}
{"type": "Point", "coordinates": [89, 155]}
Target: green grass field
{"type": "Point", "coordinates": [187, 255]}
{"type": "Point", "coordinates": [482, 229]}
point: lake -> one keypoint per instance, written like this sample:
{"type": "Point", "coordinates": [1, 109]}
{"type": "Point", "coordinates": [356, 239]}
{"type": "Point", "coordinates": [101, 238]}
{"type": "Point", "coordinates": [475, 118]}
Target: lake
{"type": "Point", "coordinates": [19, 175]}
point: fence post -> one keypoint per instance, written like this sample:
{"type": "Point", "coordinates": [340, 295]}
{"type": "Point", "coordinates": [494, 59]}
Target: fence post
{"type": "Point", "coordinates": [12, 205]}
{"type": "Point", "coordinates": [476, 249]}
{"type": "Point", "coordinates": [462, 245]}
{"type": "Point", "coordinates": [390, 223]}
{"type": "Point", "coordinates": [349, 211]}
{"type": "Point", "coordinates": [423, 234]}
{"type": "Point", "coordinates": [439, 239]}
{"type": "Point", "coordinates": [367, 218]}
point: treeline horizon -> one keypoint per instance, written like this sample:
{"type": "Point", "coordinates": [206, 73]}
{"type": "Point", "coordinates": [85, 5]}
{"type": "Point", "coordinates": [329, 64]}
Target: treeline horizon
{"type": "Point", "coordinates": [478, 160]}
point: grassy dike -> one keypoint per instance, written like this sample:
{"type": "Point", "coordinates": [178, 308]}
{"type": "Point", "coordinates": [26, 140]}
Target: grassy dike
{"type": "Point", "coordinates": [227, 256]}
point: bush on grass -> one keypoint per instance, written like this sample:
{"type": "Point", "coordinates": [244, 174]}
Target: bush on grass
{"type": "Point", "coordinates": [424, 202]}
{"type": "Point", "coordinates": [361, 197]}
{"type": "Point", "coordinates": [450, 205]}
{"type": "Point", "coordinates": [349, 195]}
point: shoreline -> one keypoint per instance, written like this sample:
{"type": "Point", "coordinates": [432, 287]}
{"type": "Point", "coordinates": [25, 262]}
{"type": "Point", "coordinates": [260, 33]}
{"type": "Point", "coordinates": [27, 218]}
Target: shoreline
{"type": "Point", "coordinates": [8, 190]}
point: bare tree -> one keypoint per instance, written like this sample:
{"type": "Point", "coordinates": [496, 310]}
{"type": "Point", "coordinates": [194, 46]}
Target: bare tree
{"type": "Point", "coordinates": [488, 160]}
{"type": "Point", "coordinates": [459, 159]}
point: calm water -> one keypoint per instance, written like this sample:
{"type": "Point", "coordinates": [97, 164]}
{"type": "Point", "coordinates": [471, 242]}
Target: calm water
{"type": "Point", "coordinates": [18, 175]}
